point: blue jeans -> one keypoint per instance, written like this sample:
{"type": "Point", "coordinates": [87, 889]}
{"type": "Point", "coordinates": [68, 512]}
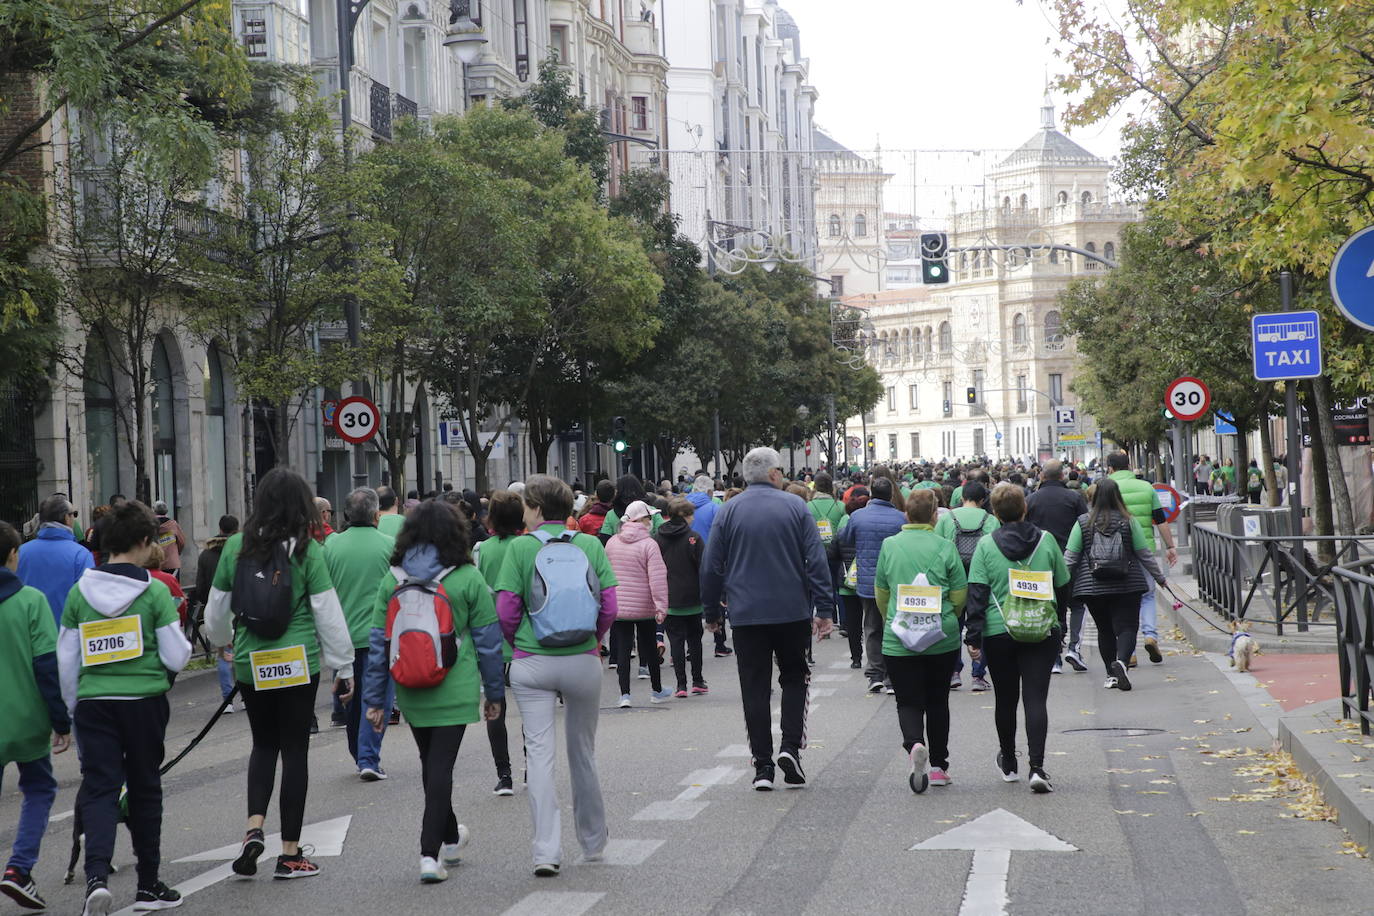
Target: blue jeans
{"type": "Point", "coordinates": [226, 675]}
{"type": "Point", "coordinates": [39, 788]}
{"type": "Point", "coordinates": [1148, 610]}
{"type": "Point", "coordinates": [364, 743]}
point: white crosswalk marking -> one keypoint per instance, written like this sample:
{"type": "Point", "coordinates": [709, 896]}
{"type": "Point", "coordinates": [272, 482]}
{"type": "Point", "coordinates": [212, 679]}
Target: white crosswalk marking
{"type": "Point", "coordinates": [555, 903]}
{"type": "Point", "coordinates": [674, 810]}
{"type": "Point", "coordinates": [627, 852]}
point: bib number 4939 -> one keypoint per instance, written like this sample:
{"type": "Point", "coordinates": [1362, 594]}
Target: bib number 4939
{"type": "Point", "coordinates": [1027, 583]}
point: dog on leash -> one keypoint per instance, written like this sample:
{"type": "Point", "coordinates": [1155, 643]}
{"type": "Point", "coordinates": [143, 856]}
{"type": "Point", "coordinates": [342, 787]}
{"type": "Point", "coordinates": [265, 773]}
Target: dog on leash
{"type": "Point", "coordinates": [1243, 646]}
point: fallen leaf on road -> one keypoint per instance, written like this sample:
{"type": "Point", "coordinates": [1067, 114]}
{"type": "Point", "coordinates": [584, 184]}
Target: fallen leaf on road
{"type": "Point", "coordinates": [1087, 712]}
{"type": "Point", "coordinates": [1246, 832]}
{"type": "Point", "coordinates": [1201, 721]}
{"type": "Point", "coordinates": [1347, 775]}
{"type": "Point", "coordinates": [1124, 812]}
{"type": "Point", "coordinates": [1196, 813]}
{"type": "Point", "coordinates": [1151, 792]}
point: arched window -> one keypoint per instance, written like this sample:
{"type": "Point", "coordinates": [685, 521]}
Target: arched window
{"type": "Point", "coordinates": [1089, 263]}
{"type": "Point", "coordinates": [977, 261]}
{"type": "Point", "coordinates": [860, 226]}
{"type": "Point", "coordinates": [1025, 201]}
{"type": "Point", "coordinates": [1018, 328]}
{"type": "Point", "coordinates": [836, 226]}
{"type": "Point", "coordinates": [928, 339]}
{"type": "Point", "coordinates": [1054, 330]}
{"type": "Point", "coordinates": [1063, 198]}
{"type": "Point", "coordinates": [1109, 251]}
{"type": "Point", "coordinates": [102, 440]}
{"type": "Point", "coordinates": [1006, 203]}
{"type": "Point", "coordinates": [963, 262]}
{"type": "Point", "coordinates": [946, 337]}
{"type": "Point", "coordinates": [216, 442]}
{"type": "Point", "coordinates": [1087, 197]}
{"type": "Point", "coordinates": [906, 343]}
{"type": "Point", "coordinates": [1054, 256]}
{"type": "Point", "coordinates": [164, 427]}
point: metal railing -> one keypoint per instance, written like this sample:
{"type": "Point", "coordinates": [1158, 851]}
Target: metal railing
{"type": "Point", "coordinates": [379, 98]}
{"type": "Point", "coordinates": [405, 108]}
{"type": "Point", "coordinates": [1231, 570]}
{"type": "Point", "coordinates": [1354, 588]}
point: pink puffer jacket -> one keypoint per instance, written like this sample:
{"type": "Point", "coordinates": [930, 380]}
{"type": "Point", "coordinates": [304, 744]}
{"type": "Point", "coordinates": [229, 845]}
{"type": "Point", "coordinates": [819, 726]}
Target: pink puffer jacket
{"type": "Point", "coordinates": [638, 566]}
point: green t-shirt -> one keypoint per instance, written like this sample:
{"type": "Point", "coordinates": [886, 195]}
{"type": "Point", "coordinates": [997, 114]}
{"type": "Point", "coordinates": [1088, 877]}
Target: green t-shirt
{"type": "Point", "coordinates": [491, 556]}
{"type": "Point", "coordinates": [309, 577]}
{"type": "Point", "coordinates": [685, 611]}
{"type": "Point", "coordinates": [455, 700]}
{"type": "Point", "coordinates": [391, 525]}
{"type": "Point", "coordinates": [824, 506]}
{"type": "Point", "coordinates": [143, 676]}
{"type": "Point", "coordinates": [957, 497]}
{"type": "Point", "coordinates": [515, 575]}
{"type": "Point", "coordinates": [990, 568]}
{"type": "Point", "coordinates": [357, 560]}
{"type": "Point", "coordinates": [969, 517]}
{"type": "Point", "coordinates": [27, 630]}
{"type": "Point", "coordinates": [913, 550]}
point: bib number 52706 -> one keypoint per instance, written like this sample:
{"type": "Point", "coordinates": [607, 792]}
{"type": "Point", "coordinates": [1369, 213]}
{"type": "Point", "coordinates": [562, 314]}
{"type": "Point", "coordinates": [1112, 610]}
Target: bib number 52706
{"type": "Point", "coordinates": [106, 641]}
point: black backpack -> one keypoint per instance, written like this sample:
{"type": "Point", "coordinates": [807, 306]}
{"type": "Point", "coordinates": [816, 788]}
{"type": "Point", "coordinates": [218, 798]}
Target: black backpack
{"type": "Point", "coordinates": [966, 539]}
{"type": "Point", "coordinates": [1107, 559]}
{"type": "Point", "coordinates": [261, 599]}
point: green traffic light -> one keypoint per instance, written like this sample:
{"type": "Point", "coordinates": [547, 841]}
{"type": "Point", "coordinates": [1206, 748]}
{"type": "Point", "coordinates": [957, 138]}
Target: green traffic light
{"type": "Point", "coordinates": [935, 271]}
{"type": "Point", "coordinates": [620, 445]}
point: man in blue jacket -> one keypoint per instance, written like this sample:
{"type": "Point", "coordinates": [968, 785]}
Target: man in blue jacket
{"type": "Point", "coordinates": [704, 507]}
{"type": "Point", "coordinates": [54, 560]}
{"type": "Point", "coordinates": [866, 531]}
{"type": "Point", "coordinates": [765, 561]}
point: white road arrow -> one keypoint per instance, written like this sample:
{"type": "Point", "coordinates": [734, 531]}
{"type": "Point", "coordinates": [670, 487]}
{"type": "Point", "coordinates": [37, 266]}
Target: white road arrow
{"type": "Point", "coordinates": [992, 838]}
{"type": "Point", "coordinates": [325, 838]}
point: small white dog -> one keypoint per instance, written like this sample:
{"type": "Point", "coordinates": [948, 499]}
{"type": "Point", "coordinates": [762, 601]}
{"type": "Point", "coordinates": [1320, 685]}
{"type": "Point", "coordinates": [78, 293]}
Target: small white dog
{"type": "Point", "coordinates": [1243, 646]}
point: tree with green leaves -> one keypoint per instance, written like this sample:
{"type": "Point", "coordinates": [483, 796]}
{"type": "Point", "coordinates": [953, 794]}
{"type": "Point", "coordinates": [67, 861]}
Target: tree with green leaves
{"type": "Point", "coordinates": [552, 102]}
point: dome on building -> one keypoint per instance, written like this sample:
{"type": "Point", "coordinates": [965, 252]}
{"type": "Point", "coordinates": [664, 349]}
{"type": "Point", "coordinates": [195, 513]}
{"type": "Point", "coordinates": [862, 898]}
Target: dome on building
{"type": "Point", "coordinates": [787, 28]}
{"type": "Point", "coordinates": [1050, 146]}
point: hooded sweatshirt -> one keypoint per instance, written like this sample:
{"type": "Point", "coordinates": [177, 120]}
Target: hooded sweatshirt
{"type": "Point", "coordinates": [704, 510]}
{"type": "Point", "coordinates": [455, 700]}
{"type": "Point", "coordinates": [52, 562]}
{"type": "Point", "coordinates": [120, 637]}
{"type": "Point", "coordinates": [638, 566]}
{"type": "Point", "coordinates": [682, 547]}
{"type": "Point", "coordinates": [28, 673]}
{"type": "Point", "coordinates": [1018, 545]}
{"type": "Point", "coordinates": [595, 516]}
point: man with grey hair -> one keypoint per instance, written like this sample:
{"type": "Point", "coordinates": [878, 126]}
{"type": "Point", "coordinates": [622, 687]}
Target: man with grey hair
{"type": "Point", "coordinates": [358, 558]}
{"type": "Point", "coordinates": [53, 560]}
{"type": "Point", "coordinates": [1053, 507]}
{"type": "Point", "coordinates": [766, 562]}
{"type": "Point", "coordinates": [170, 538]}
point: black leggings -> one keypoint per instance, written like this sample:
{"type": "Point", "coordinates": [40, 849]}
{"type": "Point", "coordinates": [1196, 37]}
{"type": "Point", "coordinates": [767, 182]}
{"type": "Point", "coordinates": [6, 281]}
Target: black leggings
{"type": "Point", "coordinates": [1021, 672]}
{"type": "Point", "coordinates": [496, 734]}
{"type": "Point", "coordinates": [280, 721]}
{"type": "Point", "coordinates": [625, 633]}
{"type": "Point", "coordinates": [684, 640]}
{"type": "Point", "coordinates": [921, 683]}
{"type": "Point", "coordinates": [854, 626]}
{"type": "Point", "coordinates": [438, 751]}
{"type": "Point", "coordinates": [1117, 618]}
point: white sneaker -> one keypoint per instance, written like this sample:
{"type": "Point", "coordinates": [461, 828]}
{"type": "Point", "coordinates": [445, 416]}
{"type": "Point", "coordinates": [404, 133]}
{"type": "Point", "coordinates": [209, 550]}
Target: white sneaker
{"type": "Point", "coordinates": [431, 872]}
{"type": "Point", "coordinates": [1109, 683]}
{"type": "Point", "coordinates": [1058, 668]}
{"type": "Point", "coordinates": [624, 701]}
{"type": "Point", "coordinates": [230, 710]}
{"type": "Point", "coordinates": [449, 851]}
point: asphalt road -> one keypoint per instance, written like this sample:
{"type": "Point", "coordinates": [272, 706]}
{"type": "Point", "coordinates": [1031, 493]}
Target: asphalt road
{"type": "Point", "coordinates": [1159, 821]}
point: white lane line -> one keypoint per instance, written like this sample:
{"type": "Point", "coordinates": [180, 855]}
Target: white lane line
{"type": "Point", "coordinates": [986, 891]}
{"type": "Point", "coordinates": [836, 665]}
{"type": "Point", "coordinates": [627, 852]}
{"type": "Point", "coordinates": [734, 750]}
{"type": "Point", "coordinates": [671, 810]}
{"type": "Point", "coordinates": [60, 817]}
{"type": "Point", "coordinates": [824, 691]}
{"type": "Point", "coordinates": [691, 793]}
{"type": "Point", "coordinates": [830, 678]}
{"type": "Point", "coordinates": [713, 776]}
{"type": "Point", "coordinates": [555, 903]}
{"type": "Point", "coordinates": [199, 883]}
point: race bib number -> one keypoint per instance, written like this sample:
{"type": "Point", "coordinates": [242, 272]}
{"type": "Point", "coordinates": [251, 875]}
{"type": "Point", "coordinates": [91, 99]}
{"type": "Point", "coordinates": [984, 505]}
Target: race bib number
{"type": "Point", "coordinates": [1028, 583]}
{"type": "Point", "coordinates": [823, 526]}
{"type": "Point", "coordinates": [924, 598]}
{"type": "Point", "coordinates": [106, 641]}
{"type": "Point", "coordinates": [274, 669]}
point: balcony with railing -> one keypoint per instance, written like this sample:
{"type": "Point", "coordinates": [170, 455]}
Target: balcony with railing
{"type": "Point", "coordinates": [405, 108]}
{"type": "Point", "coordinates": [379, 109]}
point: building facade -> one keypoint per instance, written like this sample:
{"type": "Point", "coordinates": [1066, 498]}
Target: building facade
{"type": "Point", "coordinates": [853, 252]}
{"type": "Point", "coordinates": [996, 326]}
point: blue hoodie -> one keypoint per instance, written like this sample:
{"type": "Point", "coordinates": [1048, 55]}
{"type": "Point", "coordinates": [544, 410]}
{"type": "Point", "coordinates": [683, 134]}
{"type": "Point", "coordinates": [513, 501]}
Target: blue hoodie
{"type": "Point", "coordinates": [52, 562]}
{"type": "Point", "coordinates": [704, 513]}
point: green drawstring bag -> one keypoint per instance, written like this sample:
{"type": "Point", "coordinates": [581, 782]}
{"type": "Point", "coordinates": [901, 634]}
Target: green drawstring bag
{"type": "Point", "coordinates": [1029, 612]}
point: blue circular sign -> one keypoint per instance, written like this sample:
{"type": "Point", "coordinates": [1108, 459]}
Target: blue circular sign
{"type": "Point", "coordinates": [1352, 278]}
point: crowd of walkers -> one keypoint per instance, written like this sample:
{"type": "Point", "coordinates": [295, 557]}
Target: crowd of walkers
{"type": "Point", "coordinates": [434, 610]}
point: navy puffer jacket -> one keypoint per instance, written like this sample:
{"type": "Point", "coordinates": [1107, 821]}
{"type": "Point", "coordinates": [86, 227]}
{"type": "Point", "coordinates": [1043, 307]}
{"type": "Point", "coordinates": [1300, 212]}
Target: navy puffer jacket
{"type": "Point", "coordinates": [866, 531]}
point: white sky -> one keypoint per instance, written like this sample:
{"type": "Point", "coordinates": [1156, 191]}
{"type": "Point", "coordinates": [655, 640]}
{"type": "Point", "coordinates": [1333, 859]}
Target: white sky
{"type": "Point", "coordinates": [978, 65]}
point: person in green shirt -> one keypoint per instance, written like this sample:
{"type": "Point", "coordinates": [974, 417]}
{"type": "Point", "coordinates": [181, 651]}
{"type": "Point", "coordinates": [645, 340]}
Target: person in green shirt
{"type": "Point", "coordinates": [507, 518]}
{"type": "Point", "coordinates": [119, 646]}
{"type": "Point", "coordinates": [36, 724]}
{"type": "Point", "coordinates": [1254, 482]}
{"type": "Point", "coordinates": [921, 676]}
{"type": "Point", "coordinates": [964, 527]}
{"type": "Point", "coordinates": [391, 518]}
{"type": "Point", "coordinates": [433, 547]}
{"type": "Point", "coordinates": [358, 557]}
{"type": "Point", "coordinates": [539, 674]}
{"type": "Point", "coordinates": [1020, 670]}
{"type": "Point", "coordinates": [278, 677]}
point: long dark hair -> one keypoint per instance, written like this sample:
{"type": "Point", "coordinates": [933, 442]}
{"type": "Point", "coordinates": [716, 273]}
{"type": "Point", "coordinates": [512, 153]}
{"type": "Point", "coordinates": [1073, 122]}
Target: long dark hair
{"type": "Point", "coordinates": [283, 508]}
{"type": "Point", "coordinates": [435, 522]}
{"type": "Point", "coordinates": [627, 490]}
{"type": "Point", "coordinates": [1107, 506]}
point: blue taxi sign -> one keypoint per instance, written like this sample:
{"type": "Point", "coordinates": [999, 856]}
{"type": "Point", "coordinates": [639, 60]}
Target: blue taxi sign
{"type": "Point", "coordinates": [1286, 345]}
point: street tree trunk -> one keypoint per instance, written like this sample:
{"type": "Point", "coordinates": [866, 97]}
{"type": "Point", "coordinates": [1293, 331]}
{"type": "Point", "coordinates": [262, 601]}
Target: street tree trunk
{"type": "Point", "coordinates": [1340, 492]}
{"type": "Point", "coordinates": [1271, 480]}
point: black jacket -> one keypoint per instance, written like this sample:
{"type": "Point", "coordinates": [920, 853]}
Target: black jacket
{"type": "Point", "coordinates": [1054, 508]}
{"type": "Point", "coordinates": [206, 564]}
{"type": "Point", "coordinates": [682, 549]}
{"type": "Point", "coordinates": [1016, 541]}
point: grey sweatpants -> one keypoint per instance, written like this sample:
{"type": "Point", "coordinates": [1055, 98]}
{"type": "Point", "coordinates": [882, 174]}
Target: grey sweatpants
{"type": "Point", "coordinates": [535, 681]}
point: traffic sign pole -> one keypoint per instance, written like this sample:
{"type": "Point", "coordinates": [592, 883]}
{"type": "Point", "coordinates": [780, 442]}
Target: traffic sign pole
{"type": "Point", "coordinates": [1293, 423]}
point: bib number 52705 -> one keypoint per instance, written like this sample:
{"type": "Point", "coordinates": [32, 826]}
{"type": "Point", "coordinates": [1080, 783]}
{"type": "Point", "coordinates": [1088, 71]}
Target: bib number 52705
{"type": "Point", "coordinates": [274, 669]}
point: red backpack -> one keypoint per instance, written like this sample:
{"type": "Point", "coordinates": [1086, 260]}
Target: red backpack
{"type": "Point", "coordinates": [422, 642]}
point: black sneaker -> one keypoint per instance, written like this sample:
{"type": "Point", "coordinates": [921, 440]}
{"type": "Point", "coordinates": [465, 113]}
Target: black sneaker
{"type": "Point", "coordinates": [504, 785]}
{"type": "Point", "coordinates": [338, 722]}
{"type": "Point", "coordinates": [790, 764]}
{"type": "Point", "coordinates": [724, 652]}
{"type": "Point", "coordinates": [1006, 765]}
{"type": "Point", "coordinates": [297, 866]}
{"type": "Point", "coordinates": [157, 897]}
{"type": "Point", "coordinates": [98, 898]}
{"type": "Point", "coordinates": [763, 777]}
{"type": "Point", "coordinates": [855, 665]}
{"type": "Point", "coordinates": [1119, 671]}
{"type": "Point", "coordinates": [314, 725]}
{"type": "Point", "coordinates": [19, 887]}
{"type": "Point", "coordinates": [1040, 781]}
{"type": "Point", "coordinates": [395, 717]}
{"type": "Point", "coordinates": [247, 862]}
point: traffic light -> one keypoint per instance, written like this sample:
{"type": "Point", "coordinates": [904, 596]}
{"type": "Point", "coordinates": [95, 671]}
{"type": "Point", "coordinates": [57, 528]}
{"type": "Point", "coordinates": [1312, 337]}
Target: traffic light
{"type": "Point", "coordinates": [972, 394]}
{"type": "Point", "coordinates": [618, 433]}
{"type": "Point", "coordinates": [934, 254]}
{"type": "Point", "coordinates": [872, 444]}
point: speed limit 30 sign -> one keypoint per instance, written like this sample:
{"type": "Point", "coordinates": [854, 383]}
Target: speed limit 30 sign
{"type": "Point", "coordinates": [1187, 398]}
{"type": "Point", "coordinates": [356, 420]}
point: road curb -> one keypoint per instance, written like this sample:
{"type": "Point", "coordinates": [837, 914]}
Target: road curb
{"type": "Point", "coordinates": [1312, 736]}
{"type": "Point", "coordinates": [1203, 637]}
